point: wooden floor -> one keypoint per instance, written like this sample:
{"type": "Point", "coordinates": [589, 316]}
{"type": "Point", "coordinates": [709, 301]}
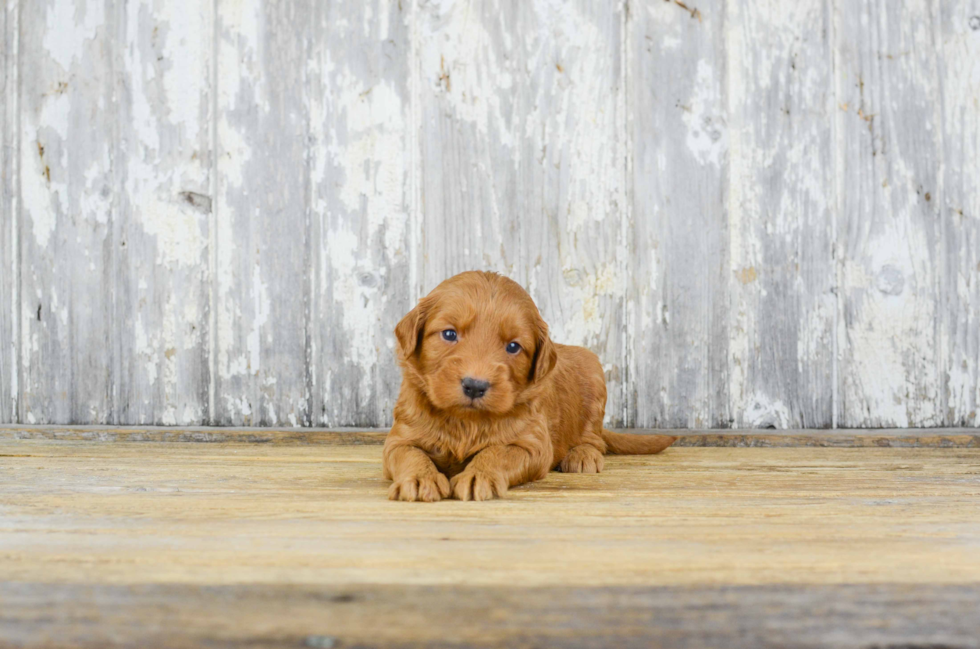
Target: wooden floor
{"type": "Point", "coordinates": [175, 544]}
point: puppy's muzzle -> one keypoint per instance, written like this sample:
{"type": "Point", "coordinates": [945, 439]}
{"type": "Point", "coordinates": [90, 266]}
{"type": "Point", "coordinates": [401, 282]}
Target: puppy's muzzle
{"type": "Point", "coordinates": [475, 388]}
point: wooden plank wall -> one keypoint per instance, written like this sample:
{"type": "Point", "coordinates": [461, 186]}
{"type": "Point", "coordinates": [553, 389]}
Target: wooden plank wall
{"type": "Point", "coordinates": [757, 214]}
{"type": "Point", "coordinates": [9, 270]}
{"type": "Point", "coordinates": [957, 35]}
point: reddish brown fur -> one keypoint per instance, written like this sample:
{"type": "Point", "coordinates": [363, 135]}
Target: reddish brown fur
{"type": "Point", "coordinates": [544, 408]}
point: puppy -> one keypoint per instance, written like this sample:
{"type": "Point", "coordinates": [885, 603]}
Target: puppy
{"type": "Point", "coordinates": [488, 401]}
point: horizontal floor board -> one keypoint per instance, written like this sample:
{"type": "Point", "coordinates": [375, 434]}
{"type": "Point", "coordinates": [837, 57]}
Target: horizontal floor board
{"type": "Point", "coordinates": [396, 616]}
{"type": "Point", "coordinates": [213, 513]}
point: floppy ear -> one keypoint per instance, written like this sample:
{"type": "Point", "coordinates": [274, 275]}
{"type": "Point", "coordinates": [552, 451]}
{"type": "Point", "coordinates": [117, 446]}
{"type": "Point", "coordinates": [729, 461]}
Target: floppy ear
{"type": "Point", "coordinates": [545, 355]}
{"type": "Point", "coordinates": [409, 330]}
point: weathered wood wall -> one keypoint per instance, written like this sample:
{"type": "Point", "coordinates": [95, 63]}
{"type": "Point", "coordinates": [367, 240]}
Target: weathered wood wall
{"type": "Point", "coordinates": [757, 213]}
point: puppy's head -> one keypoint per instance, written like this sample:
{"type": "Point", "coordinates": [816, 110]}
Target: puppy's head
{"type": "Point", "coordinates": [475, 345]}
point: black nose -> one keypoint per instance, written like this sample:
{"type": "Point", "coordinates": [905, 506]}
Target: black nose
{"type": "Point", "coordinates": [475, 388]}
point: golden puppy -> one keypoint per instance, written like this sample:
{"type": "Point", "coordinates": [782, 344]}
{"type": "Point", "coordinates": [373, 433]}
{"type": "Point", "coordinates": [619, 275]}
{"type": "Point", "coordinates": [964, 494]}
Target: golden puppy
{"type": "Point", "coordinates": [488, 401]}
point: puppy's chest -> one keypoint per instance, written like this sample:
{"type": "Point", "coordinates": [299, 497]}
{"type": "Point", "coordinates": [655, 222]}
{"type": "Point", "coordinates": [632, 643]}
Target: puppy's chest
{"type": "Point", "coordinates": [448, 464]}
{"type": "Point", "coordinates": [455, 445]}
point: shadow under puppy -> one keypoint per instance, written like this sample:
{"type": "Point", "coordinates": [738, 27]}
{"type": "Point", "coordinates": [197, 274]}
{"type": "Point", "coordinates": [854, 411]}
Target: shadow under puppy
{"type": "Point", "coordinates": [488, 401]}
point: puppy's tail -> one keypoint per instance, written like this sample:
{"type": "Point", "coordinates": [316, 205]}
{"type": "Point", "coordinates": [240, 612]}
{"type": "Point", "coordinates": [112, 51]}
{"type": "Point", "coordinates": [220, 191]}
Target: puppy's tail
{"type": "Point", "coordinates": [626, 444]}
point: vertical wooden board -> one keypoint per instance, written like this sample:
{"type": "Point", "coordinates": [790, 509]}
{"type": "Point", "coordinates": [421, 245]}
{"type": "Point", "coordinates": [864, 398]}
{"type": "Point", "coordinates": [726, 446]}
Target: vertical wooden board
{"type": "Point", "coordinates": [67, 183]}
{"type": "Point", "coordinates": [571, 184]}
{"type": "Point", "coordinates": [523, 160]}
{"type": "Point", "coordinates": [262, 256]}
{"type": "Point", "coordinates": [469, 63]}
{"type": "Point", "coordinates": [889, 235]}
{"type": "Point", "coordinates": [679, 300]}
{"type": "Point", "coordinates": [161, 278]}
{"type": "Point", "coordinates": [960, 83]}
{"type": "Point", "coordinates": [780, 87]}
{"type": "Point", "coordinates": [9, 272]}
{"type": "Point", "coordinates": [360, 134]}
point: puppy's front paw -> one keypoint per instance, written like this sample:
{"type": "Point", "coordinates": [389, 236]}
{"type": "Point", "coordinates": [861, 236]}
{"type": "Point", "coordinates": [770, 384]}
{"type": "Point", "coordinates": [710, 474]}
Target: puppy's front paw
{"type": "Point", "coordinates": [427, 488]}
{"type": "Point", "coordinates": [478, 484]}
{"type": "Point", "coordinates": [583, 459]}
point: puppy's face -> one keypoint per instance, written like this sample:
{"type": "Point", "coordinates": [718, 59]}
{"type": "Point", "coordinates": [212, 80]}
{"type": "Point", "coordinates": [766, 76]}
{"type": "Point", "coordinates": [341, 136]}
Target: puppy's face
{"type": "Point", "coordinates": [475, 345]}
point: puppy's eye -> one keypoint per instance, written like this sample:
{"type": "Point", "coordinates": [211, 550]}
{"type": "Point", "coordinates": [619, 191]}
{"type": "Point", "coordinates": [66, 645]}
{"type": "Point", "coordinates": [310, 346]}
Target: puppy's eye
{"type": "Point", "coordinates": [513, 348]}
{"type": "Point", "coordinates": [449, 335]}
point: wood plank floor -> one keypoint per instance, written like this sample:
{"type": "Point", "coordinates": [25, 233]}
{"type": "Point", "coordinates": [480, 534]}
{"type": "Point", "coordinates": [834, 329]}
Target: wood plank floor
{"type": "Point", "coordinates": [224, 544]}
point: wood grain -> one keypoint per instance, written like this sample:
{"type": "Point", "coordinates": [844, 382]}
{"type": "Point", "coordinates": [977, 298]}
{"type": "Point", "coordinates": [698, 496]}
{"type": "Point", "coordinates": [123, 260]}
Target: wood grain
{"type": "Point", "coordinates": [359, 149]}
{"type": "Point", "coordinates": [272, 545]}
{"type": "Point", "coordinates": [210, 514]}
{"type": "Point", "coordinates": [470, 136]}
{"type": "Point", "coordinates": [959, 79]}
{"type": "Point", "coordinates": [69, 185]}
{"type": "Point", "coordinates": [780, 190]}
{"type": "Point", "coordinates": [757, 214]}
{"type": "Point", "coordinates": [160, 270]}
{"type": "Point", "coordinates": [9, 223]}
{"type": "Point", "coordinates": [262, 223]}
{"type": "Point", "coordinates": [397, 616]}
{"type": "Point", "coordinates": [571, 183]}
{"type": "Point", "coordinates": [679, 258]}
{"type": "Point", "coordinates": [889, 153]}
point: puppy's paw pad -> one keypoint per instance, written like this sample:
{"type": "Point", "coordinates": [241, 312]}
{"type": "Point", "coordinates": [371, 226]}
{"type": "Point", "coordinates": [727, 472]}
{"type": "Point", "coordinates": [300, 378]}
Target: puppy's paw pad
{"type": "Point", "coordinates": [428, 488]}
{"type": "Point", "coordinates": [478, 485]}
{"type": "Point", "coordinates": [583, 459]}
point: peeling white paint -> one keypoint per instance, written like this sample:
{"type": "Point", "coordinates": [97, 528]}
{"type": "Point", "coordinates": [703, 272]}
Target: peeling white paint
{"type": "Point", "coordinates": [260, 309]}
{"type": "Point", "coordinates": [96, 201]}
{"type": "Point", "coordinates": [892, 366]}
{"type": "Point", "coordinates": [238, 405]}
{"type": "Point", "coordinates": [707, 135]}
{"type": "Point", "coordinates": [371, 149]}
{"type": "Point", "coordinates": [41, 199]}
{"type": "Point", "coordinates": [465, 64]}
{"type": "Point", "coordinates": [187, 51]}
{"type": "Point", "coordinates": [235, 153]}
{"type": "Point", "coordinates": [42, 186]}
{"type": "Point", "coordinates": [146, 350]}
{"type": "Point", "coordinates": [360, 202]}
{"type": "Point", "coordinates": [241, 89]}
{"type": "Point", "coordinates": [743, 255]}
{"type": "Point", "coordinates": [180, 231]}
{"type": "Point", "coordinates": [591, 291]}
{"type": "Point", "coordinates": [359, 303]}
{"type": "Point", "coordinates": [240, 52]}
{"type": "Point", "coordinates": [55, 113]}
{"type": "Point", "coordinates": [764, 412]}
{"type": "Point", "coordinates": [66, 36]}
